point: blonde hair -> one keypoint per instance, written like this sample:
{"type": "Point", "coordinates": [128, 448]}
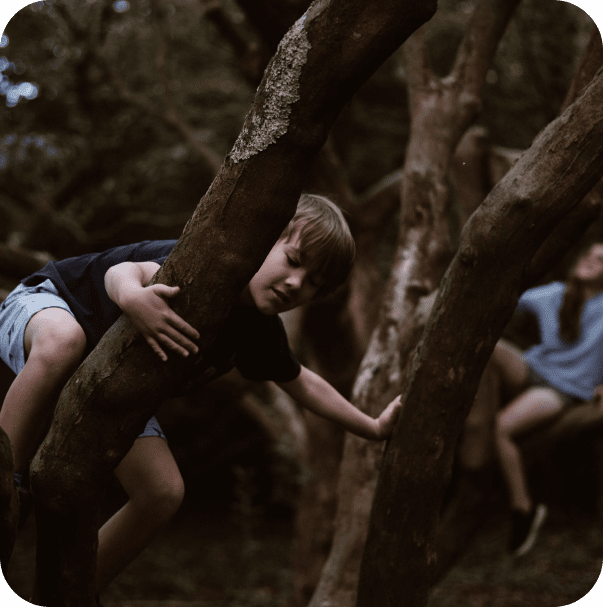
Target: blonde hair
{"type": "Point", "coordinates": [327, 246]}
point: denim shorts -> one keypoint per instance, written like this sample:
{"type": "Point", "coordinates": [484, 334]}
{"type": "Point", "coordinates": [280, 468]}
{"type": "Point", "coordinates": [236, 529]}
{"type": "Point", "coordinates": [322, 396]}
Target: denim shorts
{"type": "Point", "coordinates": [535, 380]}
{"type": "Point", "coordinates": [16, 312]}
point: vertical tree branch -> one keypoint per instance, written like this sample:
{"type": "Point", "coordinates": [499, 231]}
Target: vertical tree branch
{"type": "Point", "coordinates": [441, 111]}
{"type": "Point", "coordinates": [485, 278]}
{"type": "Point", "coordinates": [464, 515]}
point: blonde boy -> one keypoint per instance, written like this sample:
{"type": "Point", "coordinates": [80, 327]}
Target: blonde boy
{"type": "Point", "coordinates": [55, 317]}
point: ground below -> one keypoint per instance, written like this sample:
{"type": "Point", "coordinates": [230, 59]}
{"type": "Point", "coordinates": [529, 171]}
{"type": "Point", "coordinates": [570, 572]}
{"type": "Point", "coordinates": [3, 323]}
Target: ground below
{"type": "Point", "coordinates": [214, 557]}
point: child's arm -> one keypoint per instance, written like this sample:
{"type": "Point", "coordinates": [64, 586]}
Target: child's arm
{"type": "Point", "coordinates": [314, 393]}
{"type": "Point", "coordinates": [147, 308]}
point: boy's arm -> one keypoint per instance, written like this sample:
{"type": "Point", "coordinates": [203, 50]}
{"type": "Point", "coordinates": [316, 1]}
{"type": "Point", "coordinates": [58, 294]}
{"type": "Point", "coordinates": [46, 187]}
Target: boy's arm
{"type": "Point", "coordinates": [314, 393]}
{"type": "Point", "coordinates": [147, 308]}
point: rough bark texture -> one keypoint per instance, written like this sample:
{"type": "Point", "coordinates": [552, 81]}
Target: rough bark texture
{"type": "Point", "coordinates": [486, 277]}
{"type": "Point", "coordinates": [9, 506]}
{"type": "Point", "coordinates": [318, 66]}
{"type": "Point", "coordinates": [441, 111]}
{"type": "Point", "coordinates": [475, 456]}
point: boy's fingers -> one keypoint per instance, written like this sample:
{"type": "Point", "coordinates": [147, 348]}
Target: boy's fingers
{"type": "Point", "coordinates": [179, 344]}
{"type": "Point", "coordinates": [183, 327]}
{"type": "Point", "coordinates": [174, 319]}
{"type": "Point", "coordinates": [180, 338]}
{"type": "Point", "coordinates": [157, 348]}
{"type": "Point", "coordinates": [165, 291]}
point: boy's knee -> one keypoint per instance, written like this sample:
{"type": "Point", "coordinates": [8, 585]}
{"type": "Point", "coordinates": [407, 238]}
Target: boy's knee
{"type": "Point", "coordinates": [166, 499]}
{"type": "Point", "coordinates": [60, 348]}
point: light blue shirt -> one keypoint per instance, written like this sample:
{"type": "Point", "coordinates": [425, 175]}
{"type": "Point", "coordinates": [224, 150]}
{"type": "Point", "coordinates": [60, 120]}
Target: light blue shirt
{"type": "Point", "coordinates": [575, 369]}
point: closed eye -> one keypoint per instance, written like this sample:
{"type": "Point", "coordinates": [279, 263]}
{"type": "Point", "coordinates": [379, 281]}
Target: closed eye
{"type": "Point", "coordinates": [294, 262]}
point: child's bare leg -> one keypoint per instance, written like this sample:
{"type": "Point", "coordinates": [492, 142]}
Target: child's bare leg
{"type": "Point", "coordinates": [54, 346]}
{"type": "Point", "coordinates": [150, 477]}
{"type": "Point", "coordinates": [528, 411]}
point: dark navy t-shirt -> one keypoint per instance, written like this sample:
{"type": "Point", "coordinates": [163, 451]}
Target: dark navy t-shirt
{"type": "Point", "coordinates": [253, 342]}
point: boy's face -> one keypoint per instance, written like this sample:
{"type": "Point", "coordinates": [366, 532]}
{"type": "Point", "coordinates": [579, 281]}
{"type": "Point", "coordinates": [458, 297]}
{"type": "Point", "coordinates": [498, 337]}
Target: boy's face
{"type": "Point", "coordinates": [283, 282]}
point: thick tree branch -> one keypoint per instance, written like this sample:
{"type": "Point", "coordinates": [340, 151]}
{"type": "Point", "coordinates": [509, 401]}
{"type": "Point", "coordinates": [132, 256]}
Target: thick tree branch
{"type": "Point", "coordinates": [441, 111]}
{"type": "Point", "coordinates": [475, 55]}
{"type": "Point", "coordinates": [467, 510]}
{"type": "Point", "coordinates": [312, 76]}
{"type": "Point", "coordinates": [485, 277]}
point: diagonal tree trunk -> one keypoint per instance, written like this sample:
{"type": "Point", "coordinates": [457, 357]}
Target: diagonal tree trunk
{"type": "Point", "coordinates": [441, 111]}
{"type": "Point", "coordinates": [477, 297]}
{"type": "Point", "coordinates": [320, 63]}
{"type": "Point", "coordinates": [466, 512]}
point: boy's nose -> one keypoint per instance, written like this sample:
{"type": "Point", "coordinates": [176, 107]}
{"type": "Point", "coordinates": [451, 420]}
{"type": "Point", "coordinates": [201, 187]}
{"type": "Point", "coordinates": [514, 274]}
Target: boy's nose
{"type": "Point", "coordinates": [295, 279]}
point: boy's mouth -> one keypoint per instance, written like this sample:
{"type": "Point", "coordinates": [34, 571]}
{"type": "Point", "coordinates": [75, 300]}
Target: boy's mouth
{"type": "Point", "coordinates": [282, 296]}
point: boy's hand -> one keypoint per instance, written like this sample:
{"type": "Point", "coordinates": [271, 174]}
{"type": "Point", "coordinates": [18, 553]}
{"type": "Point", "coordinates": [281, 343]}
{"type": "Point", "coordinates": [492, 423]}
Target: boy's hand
{"type": "Point", "coordinates": [387, 420]}
{"type": "Point", "coordinates": [152, 316]}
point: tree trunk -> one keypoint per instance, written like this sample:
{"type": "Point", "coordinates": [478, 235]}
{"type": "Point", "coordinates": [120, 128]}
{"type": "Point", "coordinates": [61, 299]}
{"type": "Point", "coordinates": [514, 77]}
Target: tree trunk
{"type": "Point", "coordinates": [486, 278]}
{"type": "Point", "coordinates": [9, 505]}
{"type": "Point", "coordinates": [441, 111]}
{"type": "Point", "coordinates": [463, 516]}
{"type": "Point", "coordinates": [320, 63]}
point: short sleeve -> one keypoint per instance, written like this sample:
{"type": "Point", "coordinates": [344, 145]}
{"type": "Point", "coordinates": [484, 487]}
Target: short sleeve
{"type": "Point", "coordinates": [263, 352]}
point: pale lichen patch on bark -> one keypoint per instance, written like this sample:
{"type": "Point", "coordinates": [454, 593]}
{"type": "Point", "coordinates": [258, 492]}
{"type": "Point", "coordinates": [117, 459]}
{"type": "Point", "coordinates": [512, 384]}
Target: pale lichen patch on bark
{"type": "Point", "coordinates": [264, 125]}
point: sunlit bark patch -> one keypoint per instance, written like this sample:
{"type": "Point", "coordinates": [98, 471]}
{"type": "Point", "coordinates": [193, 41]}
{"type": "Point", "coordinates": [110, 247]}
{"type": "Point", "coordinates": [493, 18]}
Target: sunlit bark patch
{"type": "Point", "coordinates": [269, 119]}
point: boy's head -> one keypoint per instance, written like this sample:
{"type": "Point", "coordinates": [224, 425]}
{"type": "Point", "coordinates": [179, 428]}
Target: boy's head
{"type": "Point", "coordinates": [313, 256]}
{"type": "Point", "coordinates": [326, 244]}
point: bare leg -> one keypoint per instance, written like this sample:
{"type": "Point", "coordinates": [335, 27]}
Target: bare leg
{"type": "Point", "coordinates": [528, 411]}
{"type": "Point", "coordinates": [54, 346]}
{"type": "Point", "coordinates": [507, 369]}
{"type": "Point", "coordinates": [513, 369]}
{"type": "Point", "coordinates": [150, 477]}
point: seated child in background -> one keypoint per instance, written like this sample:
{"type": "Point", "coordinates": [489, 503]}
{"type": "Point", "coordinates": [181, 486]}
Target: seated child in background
{"type": "Point", "coordinates": [56, 316]}
{"type": "Point", "coordinates": [564, 369]}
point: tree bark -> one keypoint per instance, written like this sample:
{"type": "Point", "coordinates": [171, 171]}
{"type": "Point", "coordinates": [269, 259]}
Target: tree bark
{"type": "Point", "coordinates": [486, 278]}
{"type": "Point", "coordinates": [441, 111]}
{"type": "Point", "coordinates": [320, 63]}
{"type": "Point", "coordinates": [9, 505]}
{"type": "Point", "coordinates": [463, 516]}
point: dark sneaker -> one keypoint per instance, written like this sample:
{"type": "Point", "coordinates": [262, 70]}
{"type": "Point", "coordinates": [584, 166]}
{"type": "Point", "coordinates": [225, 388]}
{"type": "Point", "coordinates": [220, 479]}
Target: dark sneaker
{"type": "Point", "coordinates": [524, 529]}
